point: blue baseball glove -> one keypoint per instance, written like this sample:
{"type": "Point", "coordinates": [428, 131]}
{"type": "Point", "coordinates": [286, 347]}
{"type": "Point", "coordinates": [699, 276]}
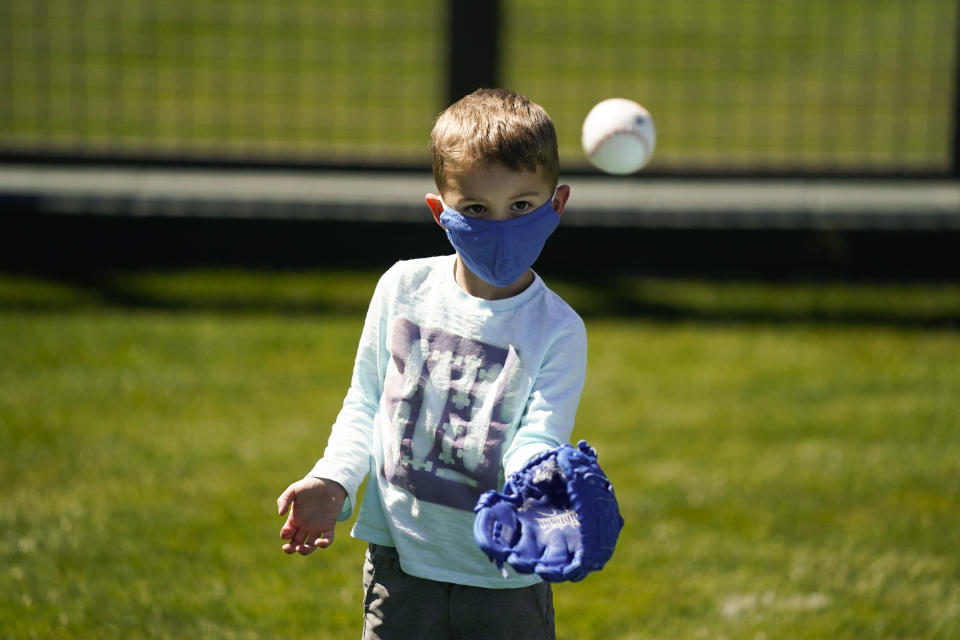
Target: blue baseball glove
{"type": "Point", "coordinates": [556, 517]}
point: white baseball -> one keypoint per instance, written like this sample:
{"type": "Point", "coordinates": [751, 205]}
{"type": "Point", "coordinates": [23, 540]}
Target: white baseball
{"type": "Point", "coordinates": [619, 136]}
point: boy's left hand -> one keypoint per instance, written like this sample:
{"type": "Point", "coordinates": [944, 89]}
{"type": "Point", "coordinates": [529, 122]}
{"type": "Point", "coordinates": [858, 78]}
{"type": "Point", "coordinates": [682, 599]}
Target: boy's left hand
{"type": "Point", "coordinates": [557, 517]}
{"type": "Point", "coordinates": [314, 505]}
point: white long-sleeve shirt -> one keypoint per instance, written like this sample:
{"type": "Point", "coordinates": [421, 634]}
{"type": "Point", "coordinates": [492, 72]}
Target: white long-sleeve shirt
{"type": "Point", "coordinates": [449, 395]}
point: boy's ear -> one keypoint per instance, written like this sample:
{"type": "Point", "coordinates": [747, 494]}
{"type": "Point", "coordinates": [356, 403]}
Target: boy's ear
{"type": "Point", "coordinates": [560, 199]}
{"type": "Point", "coordinates": [436, 206]}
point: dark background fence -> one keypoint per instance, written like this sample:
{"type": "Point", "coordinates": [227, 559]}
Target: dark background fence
{"type": "Point", "coordinates": [833, 87]}
{"type": "Point", "coordinates": [766, 111]}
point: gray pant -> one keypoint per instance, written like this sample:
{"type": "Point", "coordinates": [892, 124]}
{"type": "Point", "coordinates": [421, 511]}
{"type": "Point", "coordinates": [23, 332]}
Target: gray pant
{"type": "Point", "coordinates": [398, 606]}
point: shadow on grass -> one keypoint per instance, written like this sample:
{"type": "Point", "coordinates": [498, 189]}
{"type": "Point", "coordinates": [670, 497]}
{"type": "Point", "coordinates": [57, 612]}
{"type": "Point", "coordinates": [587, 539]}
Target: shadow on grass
{"type": "Point", "coordinates": [920, 306]}
{"type": "Point", "coordinates": [207, 292]}
{"type": "Point", "coordinates": [905, 305]}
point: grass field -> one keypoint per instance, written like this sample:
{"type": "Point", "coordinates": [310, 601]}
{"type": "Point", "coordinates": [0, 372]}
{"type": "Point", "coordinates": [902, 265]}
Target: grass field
{"type": "Point", "coordinates": [787, 457]}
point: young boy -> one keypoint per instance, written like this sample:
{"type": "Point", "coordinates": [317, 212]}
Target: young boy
{"type": "Point", "coordinates": [468, 366]}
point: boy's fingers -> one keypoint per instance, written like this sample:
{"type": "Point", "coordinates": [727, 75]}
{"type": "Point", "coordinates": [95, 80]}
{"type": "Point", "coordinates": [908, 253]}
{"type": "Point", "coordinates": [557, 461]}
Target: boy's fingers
{"type": "Point", "coordinates": [285, 499]}
{"type": "Point", "coordinates": [306, 542]}
{"type": "Point", "coordinates": [315, 541]}
{"type": "Point", "coordinates": [306, 548]}
{"type": "Point", "coordinates": [302, 537]}
{"type": "Point", "coordinates": [325, 539]}
{"type": "Point", "coordinates": [295, 538]}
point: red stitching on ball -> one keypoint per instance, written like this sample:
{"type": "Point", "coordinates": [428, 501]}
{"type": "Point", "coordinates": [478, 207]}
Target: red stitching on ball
{"type": "Point", "coordinates": [629, 131]}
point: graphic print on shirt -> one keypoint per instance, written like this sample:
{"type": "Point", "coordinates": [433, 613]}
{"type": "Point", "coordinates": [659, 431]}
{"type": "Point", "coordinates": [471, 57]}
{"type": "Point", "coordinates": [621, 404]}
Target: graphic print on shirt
{"type": "Point", "coordinates": [448, 398]}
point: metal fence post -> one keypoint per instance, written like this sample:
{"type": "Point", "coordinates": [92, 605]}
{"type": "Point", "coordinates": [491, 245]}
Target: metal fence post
{"type": "Point", "coordinates": [473, 46]}
{"type": "Point", "coordinates": [955, 168]}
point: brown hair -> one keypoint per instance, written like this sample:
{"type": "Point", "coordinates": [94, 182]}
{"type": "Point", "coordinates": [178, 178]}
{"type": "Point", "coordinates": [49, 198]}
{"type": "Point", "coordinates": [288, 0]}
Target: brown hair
{"type": "Point", "coordinates": [494, 125]}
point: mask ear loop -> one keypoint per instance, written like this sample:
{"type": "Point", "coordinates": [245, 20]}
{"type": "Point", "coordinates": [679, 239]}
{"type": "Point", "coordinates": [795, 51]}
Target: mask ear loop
{"type": "Point", "coordinates": [554, 197]}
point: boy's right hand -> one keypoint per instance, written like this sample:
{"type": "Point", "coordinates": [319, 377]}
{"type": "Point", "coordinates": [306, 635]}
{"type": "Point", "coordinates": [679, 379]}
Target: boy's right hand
{"type": "Point", "coordinates": [314, 505]}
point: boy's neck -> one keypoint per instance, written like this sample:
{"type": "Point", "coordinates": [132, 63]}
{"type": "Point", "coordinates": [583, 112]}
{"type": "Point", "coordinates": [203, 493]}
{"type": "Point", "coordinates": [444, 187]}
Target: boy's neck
{"type": "Point", "coordinates": [479, 288]}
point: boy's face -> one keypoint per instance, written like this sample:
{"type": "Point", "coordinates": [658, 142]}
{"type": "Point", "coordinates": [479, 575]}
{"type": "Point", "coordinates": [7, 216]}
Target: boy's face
{"type": "Point", "coordinates": [495, 192]}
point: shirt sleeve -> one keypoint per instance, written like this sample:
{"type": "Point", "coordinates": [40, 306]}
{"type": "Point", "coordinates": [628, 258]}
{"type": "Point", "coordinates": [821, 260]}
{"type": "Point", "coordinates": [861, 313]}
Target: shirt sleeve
{"type": "Point", "coordinates": [346, 459]}
{"type": "Point", "coordinates": [549, 416]}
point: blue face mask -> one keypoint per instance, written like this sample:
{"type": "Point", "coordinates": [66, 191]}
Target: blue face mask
{"type": "Point", "coordinates": [500, 251]}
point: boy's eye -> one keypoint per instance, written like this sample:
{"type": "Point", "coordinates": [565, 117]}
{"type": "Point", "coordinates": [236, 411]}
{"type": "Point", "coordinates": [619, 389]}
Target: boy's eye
{"type": "Point", "coordinates": [522, 205]}
{"type": "Point", "coordinates": [475, 210]}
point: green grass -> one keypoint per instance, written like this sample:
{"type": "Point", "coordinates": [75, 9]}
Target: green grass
{"type": "Point", "coordinates": [786, 456]}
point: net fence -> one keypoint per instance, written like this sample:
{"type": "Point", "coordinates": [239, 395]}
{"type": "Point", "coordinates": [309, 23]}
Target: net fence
{"type": "Point", "coordinates": [333, 81]}
{"type": "Point", "coordinates": [813, 85]}
{"type": "Point", "coordinates": [809, 86]}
